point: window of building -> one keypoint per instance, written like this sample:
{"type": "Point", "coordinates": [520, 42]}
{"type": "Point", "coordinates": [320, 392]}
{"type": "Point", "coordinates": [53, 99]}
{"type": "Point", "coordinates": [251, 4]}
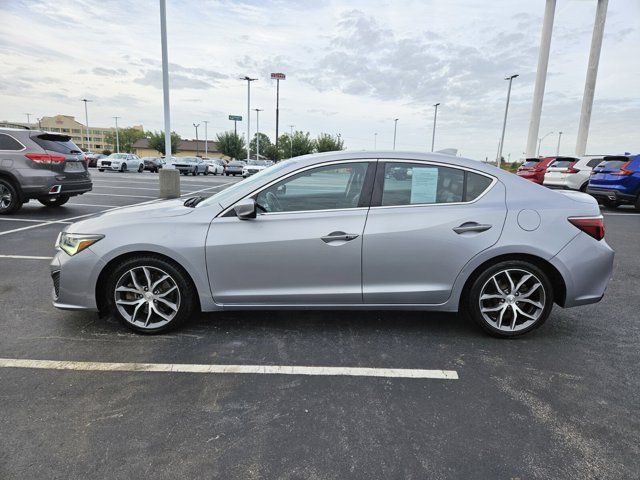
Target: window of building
{"type": "Point", "coordinates": [75, 130]}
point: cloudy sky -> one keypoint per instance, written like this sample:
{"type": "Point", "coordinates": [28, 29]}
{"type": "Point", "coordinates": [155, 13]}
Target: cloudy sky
{"type": "Point", "coordinates": [352, 67]}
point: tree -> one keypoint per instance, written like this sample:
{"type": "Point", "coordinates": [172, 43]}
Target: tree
{"type": "Point", "coordinates": [156, 141]}
{"type": "Point", "coordinates": [300, 144]}
{"type": "Point", "coordinates": [126, 137]}
{"type": "Point", "coordinates": [107, 152]}
{"type": "Point", "coordinates": [329, 143]}
{"type": "Point", "coordinates": [231, 145]}
{"type": "Point", "coordinates": [265, 143]}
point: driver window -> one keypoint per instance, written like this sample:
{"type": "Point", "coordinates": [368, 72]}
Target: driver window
{"type": "Point", "coordinates": [322, 188]}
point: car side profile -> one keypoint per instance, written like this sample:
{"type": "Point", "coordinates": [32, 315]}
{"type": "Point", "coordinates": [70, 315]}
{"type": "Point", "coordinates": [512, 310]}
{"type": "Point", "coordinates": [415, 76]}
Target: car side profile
{"type": "Point", "coordinates": [216, 165]}
{"type": "Point", "coordinates": [337, 231]}
{"type": "Point", "coordinates": [569, 173]}
{"type": "Point", "coordinates": [39, 165]}
{"type": "Point", "coordinates": [616, 181]}
{"type": "Point", "coordinates": [121, 162]}
{"type": "Point", "coordinates": [191, 165]}
{"type": "Point", "coordinates": [533, 169]}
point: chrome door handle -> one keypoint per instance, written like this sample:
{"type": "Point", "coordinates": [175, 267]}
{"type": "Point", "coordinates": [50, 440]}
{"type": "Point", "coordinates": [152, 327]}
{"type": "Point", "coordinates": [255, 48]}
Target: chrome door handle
{"type": "Point", "coordinates": [472, 227]}
{"type": "Point", "coordinates": [339, 236]}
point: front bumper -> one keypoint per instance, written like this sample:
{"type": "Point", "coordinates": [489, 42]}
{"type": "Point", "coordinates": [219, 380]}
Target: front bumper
{"type": "Point", "coordinates": [610, 194]}
{"type": "Point", "coordinates": [113, 167]}
{"type": "Point", "coordinates": [74, 280]}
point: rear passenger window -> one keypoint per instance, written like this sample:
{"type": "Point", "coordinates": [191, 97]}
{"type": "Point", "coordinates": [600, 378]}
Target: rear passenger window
{"type": "Point", "coordinates": [476, 185]}
{"type": "Point", "coordinates": [9, 143]}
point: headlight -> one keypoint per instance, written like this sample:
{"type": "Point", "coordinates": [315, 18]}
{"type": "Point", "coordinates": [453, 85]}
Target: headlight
{"type": "Point", "coordinates": [73, 243]}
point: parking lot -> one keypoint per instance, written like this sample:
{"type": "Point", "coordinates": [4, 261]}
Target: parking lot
{"type": "Point", "coordinates": [561, 402]}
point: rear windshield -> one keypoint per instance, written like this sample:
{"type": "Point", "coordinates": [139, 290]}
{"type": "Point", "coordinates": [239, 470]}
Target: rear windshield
{"type": "Point", "coordinates": [531, 162]}
{"type": "Point", "coordinates": [236, 163]}
{"type": "Point", "coordinates": [613, 164]}
{"type": "Point", "coordinates": [56, 143]}
{"type": "Point", "coordinates": [563, 163]}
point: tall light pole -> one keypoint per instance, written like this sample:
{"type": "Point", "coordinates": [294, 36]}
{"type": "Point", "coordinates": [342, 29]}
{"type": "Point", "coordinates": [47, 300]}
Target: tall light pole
{"type": "Point", "coordinates": [435, 117]}
{"type": "Point", "coordinates": [117, 135]}
{"type": "Point", "coordinates": [504, 123]}
{"type": "Point", "coordinates": [291, 140]}
{"type": "Point", "coordinates": [249, 80]}
{"type": "Point", "coordinates": [395, 130]}
{"type": "Point", "coordinates": [558, 147]}
{"type": "Point", "coordinates": [375, 141]}
{"type": "Point", "coordinates": [540, 142]}
{"type": "Point", "coordinates": [278, 77]}
{"type": "Point", "coordinates": [86, 121]}
{"type": "Point", "coordinates": [258, 110]}
{"type": "Point", "coordinates": [28, 118]}
{"type": "Point", "coordinates": [206, 139]}
{"type": "Point", "coordinates": [196, 125]}
{"type": "Point", "coordinates": [165, 80]}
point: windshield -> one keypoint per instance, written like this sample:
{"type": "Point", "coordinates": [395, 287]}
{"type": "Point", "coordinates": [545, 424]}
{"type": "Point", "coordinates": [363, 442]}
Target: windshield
{"type": "Point", "coordinates": [118, 155]}
{"type": "Point", "coordinates": [254, 180]}
{"type": "Point", "coordinates": [236, 163]}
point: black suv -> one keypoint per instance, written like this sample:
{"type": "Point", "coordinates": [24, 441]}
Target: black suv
{"type": "Point", "coordinates": [39, 165]}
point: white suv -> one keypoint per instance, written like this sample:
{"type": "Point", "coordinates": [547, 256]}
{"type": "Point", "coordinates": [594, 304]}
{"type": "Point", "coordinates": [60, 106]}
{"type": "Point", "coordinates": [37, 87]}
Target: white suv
{"type": "Point", "coordinates": [121, 162]}
{"type": "Point", "coordinates": [570, 173]}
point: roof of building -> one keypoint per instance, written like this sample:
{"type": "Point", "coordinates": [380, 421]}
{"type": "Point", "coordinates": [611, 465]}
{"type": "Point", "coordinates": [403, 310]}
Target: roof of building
{"type": "Point", "coordinates": [185, 145]}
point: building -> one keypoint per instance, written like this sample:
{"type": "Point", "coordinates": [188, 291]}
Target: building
{"type": "Point", "coordinates": [94, 141]}
{"type": "Point", "coordinates": [187, 148]}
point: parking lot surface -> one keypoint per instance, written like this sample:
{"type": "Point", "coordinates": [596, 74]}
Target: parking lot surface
{"type": "Point", "coordinates": [560, 402]}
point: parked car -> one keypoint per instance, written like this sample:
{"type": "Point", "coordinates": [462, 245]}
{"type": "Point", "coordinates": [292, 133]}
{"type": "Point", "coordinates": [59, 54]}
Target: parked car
{"type": "Point", "coordinates": [191, 165]}
{"type": "Point", "coordinates": [39, 165]}
{"type": "Point", "coordinates": [216, 165]}
{"type": "Point", "coordinates": [533, 169]}
{"type": "Point", "coordinates": [152, 164]}
{"type": "Point", "coordinates": [333, 231]}
{"type": "Point", "coordinates": [92, 158]}
{"type": "Point", "coordinates": [254, 166]}
{"type": "Point", "coordinates": [121, 162]}
{"type": "Point", "coordinates": [616, 181]}
{"type": "Point", "coordinates": [234, 167]}
{"type": "Point", "coordinates": [569, 173]}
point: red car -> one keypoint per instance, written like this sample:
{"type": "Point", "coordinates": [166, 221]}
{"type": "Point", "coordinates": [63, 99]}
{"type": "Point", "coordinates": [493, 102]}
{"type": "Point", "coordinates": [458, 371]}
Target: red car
{"type": "Point", "coordinates": [534, 168]}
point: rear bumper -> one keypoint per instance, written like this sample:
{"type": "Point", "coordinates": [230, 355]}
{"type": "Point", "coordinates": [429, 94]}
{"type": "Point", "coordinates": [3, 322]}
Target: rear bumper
{"type": "Point", "coordinates": [49, 185]}
{"type": "Point", "coordinates": [611, 194]}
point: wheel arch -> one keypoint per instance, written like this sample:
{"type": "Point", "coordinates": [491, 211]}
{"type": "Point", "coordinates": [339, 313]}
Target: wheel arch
{"type": "Point", "coordinates": [5, 175]}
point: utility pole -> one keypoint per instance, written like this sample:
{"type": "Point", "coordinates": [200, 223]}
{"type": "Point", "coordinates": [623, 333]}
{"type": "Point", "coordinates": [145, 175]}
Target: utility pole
{"type": "Point", "coordinates": [197, 142]}
{"type": "Point", "coordinates": [117, 136]}
{"type": "Point", "coordinates": [504, 123]}
{"type": "Point", "coordinates": [258, 110]}
{"type": "Point", "coordinates": [395, 129]}
{"type": "Point", "coordinates": [291, 140]}
{"type": "Point", "coordinates": [165, 81]}
{"type": "Point", "coordinates": [558, 147]}
{"type": "Point", "coordinates": [206, 139]}
{"type": "Point", "coordinates": [249, 80]}
{"type": "Point", "coordinates": [375, 141]}
{"type": "Point", "coordinates": [278, 77]}
{"type": "Point", "coordinates": [86, 121]}
{"type": "Point", "coordinates": [435, 117]}
{"type": "Point", "coordinates": [28, 118]}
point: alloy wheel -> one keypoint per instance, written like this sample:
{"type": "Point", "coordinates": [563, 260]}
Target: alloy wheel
{"type": "Point", "coordinates": [5, 196]}
{"type": "Point", "coordinates": [147, 297]}
{"type": "Point", "coordinates": [512, 300]}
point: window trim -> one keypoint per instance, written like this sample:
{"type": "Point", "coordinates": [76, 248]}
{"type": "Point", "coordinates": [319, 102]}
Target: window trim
{"type": "Point", "coordinates": [14, 138]}
{"type": "Point", "coordinates": [376, 198]}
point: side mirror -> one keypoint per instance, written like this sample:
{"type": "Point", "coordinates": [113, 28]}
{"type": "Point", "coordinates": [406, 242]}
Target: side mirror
{"type": "Point", "coordinates": [245, 209]}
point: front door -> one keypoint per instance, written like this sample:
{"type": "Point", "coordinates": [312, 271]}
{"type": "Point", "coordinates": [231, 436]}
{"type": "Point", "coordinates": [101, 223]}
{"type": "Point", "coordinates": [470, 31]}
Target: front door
{"type": "Point", "coordinates": [304, 246]}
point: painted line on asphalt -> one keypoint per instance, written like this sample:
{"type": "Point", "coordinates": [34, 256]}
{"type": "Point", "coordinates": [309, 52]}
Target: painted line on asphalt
{"type": "Point", "coordinates": [230, 369]}
{"type": "Point", "coordinates": [93, 205]}
{"type": "Point", "coordinates": [630, 214]}
{"type": "Point", "coordinates": [30, 220]}
{"type": "Point", "coordinates": [26, 257]}
{"type": "Point", "coordinates": [118, 195]}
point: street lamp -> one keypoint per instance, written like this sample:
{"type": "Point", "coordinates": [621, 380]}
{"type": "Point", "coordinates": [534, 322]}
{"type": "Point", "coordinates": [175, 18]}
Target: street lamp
{"type": "Point", "coordinates": [165, 81]}
{"type": "Point", "coordinates": [248, 80]}
{"type": "Point", "coordinates": [258, 110]}
{"type": "Point", "coordinates": [558, 147]}
{"type": "Point", "coordinates": [117, 136]}
{"type": "Point", "coordinates": [395, 129]}
{"type": "Point", "coordinates": [206, 139]}
{"type": "Point", "coordinates": [435, 117]}
{"type": "Point", "coordinates": [291, 140]}
{"type": "Point", "coordinates": [196, 125]}
{"type": "Point", "coordinates": [504, 123]}
{"type": "Point", "coordinates": [540, 141]}
{"type": "Point", "coordinates": [278, 77]}
{"type": "Point", "coordinates": [86, 121]}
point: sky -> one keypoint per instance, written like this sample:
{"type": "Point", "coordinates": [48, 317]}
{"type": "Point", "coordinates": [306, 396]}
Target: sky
{"type": "Point", "coordinates": [351, 66]}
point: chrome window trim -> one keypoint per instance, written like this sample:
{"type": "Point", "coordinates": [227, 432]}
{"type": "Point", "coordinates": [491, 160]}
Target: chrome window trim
{"type": "Point", "coordinates": [14, 138]}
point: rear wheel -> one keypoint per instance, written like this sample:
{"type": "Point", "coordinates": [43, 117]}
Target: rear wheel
{"type": "Point", "coordinates": [510, 298]}
{"type": "Point", "coordinates": [101, 169]}
{"type": "Point", "coordinates": [9, 200]}
{"type": "Point", "coordinates": [54, 201]}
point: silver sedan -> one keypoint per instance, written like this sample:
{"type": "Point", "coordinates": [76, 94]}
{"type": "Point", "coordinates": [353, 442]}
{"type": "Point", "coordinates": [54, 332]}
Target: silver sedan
{"type": "Point", "coordinates": [377, 230]}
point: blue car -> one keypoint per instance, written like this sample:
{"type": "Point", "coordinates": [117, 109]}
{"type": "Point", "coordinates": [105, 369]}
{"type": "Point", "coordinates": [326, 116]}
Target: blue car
{"type": "Point", "coordinates": [616, 181]}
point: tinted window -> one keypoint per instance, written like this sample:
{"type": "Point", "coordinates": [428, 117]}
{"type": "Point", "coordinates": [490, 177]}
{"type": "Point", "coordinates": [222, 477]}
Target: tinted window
{"type": "Point", "coordinates": [56, 143]}
{"type": "Point", "coordinates": [531, 162]}
{"type": "Point", "coordinates": [322, 188]}
{"type": "Point", "coordinates": [476, 185]}
{"type": "Point", "coordinates": [413, 184]}
{"type": "Point", "coordinates": [9, 143]}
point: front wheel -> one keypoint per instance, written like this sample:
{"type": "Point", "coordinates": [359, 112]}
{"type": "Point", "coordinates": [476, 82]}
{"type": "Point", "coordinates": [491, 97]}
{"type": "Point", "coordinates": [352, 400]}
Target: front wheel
{"type": "Point", "coordinates": [510, 298]}
{"type": "Point", "coordinates": [54, 201]}
{"type": "Point", "coordinates": [150, 295]}
{"type": "Point", "coordinates": [140, 168]}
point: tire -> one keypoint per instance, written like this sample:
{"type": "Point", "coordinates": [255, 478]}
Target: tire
{"type": "Point", "coordinates": [54, 201]}
{"type": "Point", "coordinates": [637, 204]}
{"type": "Point", "coordinates": [141, 168]}
{"type": "Point", "coordinates": [183, 298]}
{"type": "Point", "coordinates": [502, 307]}
{"type": "Point", "coordinates": [9, 200]}
{"type": "Point", "coordinates": [101, 169]}
{"type": "Point", "coordinates": [194, 173]}
{"type": "Point", "coordinates": [206, 172]}
{"type": "Point", "coordinates": [610, 203]}
{"type": "Point", "coordinates": [123, 168]}
{"type": "Point", "coordinates": [227, 174]}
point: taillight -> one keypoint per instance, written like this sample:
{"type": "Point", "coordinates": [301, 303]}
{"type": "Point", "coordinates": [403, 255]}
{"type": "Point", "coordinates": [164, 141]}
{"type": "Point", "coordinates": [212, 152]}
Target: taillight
{"type": "Point", "coordinates": [570, 169]}
{"type": "Point", "coordinates": [623, 170]}
{"type": "Point", "coordinates": [592, 226]}
{"type": "Point", "coordinates": [44, 157]}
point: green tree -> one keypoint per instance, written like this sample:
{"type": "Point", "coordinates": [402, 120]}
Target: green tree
{"type": "Point", "coordinates": [300, 144]}
{"type": "Point", "coordinates": [271, 152]}
{"type": "Point", "coordinates": [329, 143]}
{"type": "Point", "coordinates": [156, 141]}
{"type": "Point", "coordinates": [126, 136]}
{"type": "Point", "coordinates": [231, 145]}
{"type": "Point", "coordinates": [265, 144]}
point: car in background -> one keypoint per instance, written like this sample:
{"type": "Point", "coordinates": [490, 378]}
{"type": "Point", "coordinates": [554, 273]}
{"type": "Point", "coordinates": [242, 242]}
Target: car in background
{"type": "Point", "coordinates": [92, 158]}
{"type": "Point", "coordinates": [234, 167]}
{"type": "Point", "coordinates": [216, 165]}
{"type": "Point", "coordinates": [40, 165]}
{"type": "Point", "coordinates": [121, 162]}
{"type": "Point", "coordinates": [254, 166]}
{"type": "Point", "coordinates": [152, 164]}
{"type": "Point", "coordinates": [533, 169]}
{"type": "Point", "coordinates": [570, 173]}
{"type": "Point", "coordinates": [616, 181]}
{"type": "Point", "coordinates": [191, 165]}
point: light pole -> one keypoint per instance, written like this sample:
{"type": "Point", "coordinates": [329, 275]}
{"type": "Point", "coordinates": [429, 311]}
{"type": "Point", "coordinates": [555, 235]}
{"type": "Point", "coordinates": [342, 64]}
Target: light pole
{"type": "Point", "coordinates": [278, 77]}
{"type": "Point", "coordinates": [249, 80]}
{"type": "Point", "coordinates": [435, 117]}
{"type": "Point", "coordinates": [196, 125]}
{"type": "Point", "coordinates": [165, 80]}
{"type": "Point", "coordinates": [375, 141]}
{"type": "Point", "coordinates": [206, 139]}
{"type": "Point", "coordinates": [86, 121]}
{"type": "Point", "coordinates": [540, 141]}
{"type": "Point", "coordinates": [291, 140]}
{"type": "Point", "coordinates": [558, 147]}
{"type": "Point", "coordinates": [395, 130]}
{"type": "Point", "coordinates": [504, 123]}
{"type": "Point", "coordinates": [28, 118]}
{"type": "Point", "coordinates": [258, 110]}
{"type": "Point", "coordinates": [117, 136]}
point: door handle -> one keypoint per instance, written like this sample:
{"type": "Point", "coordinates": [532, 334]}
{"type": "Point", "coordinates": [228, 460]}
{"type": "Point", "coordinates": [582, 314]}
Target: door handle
{"type": "Point", "coordinates": [339, 236]}
{"type": "Point", "coordinates": [471, 227]}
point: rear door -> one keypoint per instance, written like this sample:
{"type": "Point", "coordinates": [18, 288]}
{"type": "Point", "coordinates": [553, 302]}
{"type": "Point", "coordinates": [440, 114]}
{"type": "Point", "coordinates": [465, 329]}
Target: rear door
{"type": "Point", "coordinates": [66, 156]}
{"type": "Point", "coordinates": [425, 223]}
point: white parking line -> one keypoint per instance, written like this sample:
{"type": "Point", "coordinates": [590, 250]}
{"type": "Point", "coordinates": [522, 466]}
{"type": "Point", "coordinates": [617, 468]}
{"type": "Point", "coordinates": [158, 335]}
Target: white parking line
{"type": "Point", "coordinates": [91, 205]}
{"type": "Point", "coordinates": [232, 369]}
{"type": "Point", "coordinates": [30, 220]}
{"type": "Point", "coordinates": [118, 195]}
{"type": "Point", "coordinates": [25, 257]}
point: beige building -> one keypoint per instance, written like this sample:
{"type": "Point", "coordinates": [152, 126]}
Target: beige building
{"type": "Point", "coordinates": [187, 148]}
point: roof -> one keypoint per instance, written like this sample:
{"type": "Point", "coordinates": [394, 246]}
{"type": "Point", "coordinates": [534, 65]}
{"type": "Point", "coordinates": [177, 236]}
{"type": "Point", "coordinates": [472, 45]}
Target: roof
{"type": "Point", "coordinates": [185, 145]}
